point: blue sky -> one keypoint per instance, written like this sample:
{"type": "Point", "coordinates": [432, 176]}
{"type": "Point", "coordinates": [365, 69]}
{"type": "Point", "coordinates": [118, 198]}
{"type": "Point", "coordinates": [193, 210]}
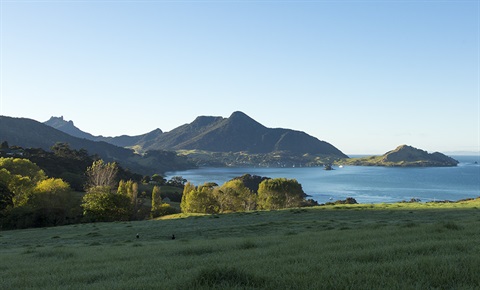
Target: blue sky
{"type": "Point", "coordinates": [365, 76]}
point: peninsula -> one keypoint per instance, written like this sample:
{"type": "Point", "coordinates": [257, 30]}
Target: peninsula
{"type": "Point", "coordinates": [404, 156]}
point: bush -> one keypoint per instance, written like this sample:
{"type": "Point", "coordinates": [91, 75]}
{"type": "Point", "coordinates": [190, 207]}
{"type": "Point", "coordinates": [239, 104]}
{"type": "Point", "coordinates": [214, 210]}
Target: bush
{"type": "Point", "coordinates": [163, 209]}
{"type": "Point", "coordinates": [349, 200]}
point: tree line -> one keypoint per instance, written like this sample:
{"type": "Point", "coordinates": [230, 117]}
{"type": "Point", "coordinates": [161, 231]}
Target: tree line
{"type": "Point", "coordinates": [30, 198]}
{"type": "Point", "coordinates": [235, 196]}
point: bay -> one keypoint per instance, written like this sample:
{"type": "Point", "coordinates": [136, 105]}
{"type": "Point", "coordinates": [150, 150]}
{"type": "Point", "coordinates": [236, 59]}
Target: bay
{"type": "Point", "coordinates": [365, 184]}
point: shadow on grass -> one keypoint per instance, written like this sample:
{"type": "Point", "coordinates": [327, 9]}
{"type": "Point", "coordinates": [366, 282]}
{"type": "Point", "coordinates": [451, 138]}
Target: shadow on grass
{"type": "Point", "coordinates": [55, 254]}
{"type": "Point", "coordinates": [222, 278]}
{"type": "Point", "coordinates": [196, 251]}
{"type": "Point", "coordinates": [247, 244]}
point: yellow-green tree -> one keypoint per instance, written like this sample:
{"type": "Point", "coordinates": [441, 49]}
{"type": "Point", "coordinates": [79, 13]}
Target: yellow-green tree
{"type": "Point", "coordinates": [101, 204]}
{"type": "Point", "coordinates": [189, 187]}
{"type": "Point", "coordinates": [20, 176]}
{"type": "Point", "coordinates": [158, 207]}
{"type": "Point", "coordinates": [31, 199]}
{"type": "Point", "coordinates": [122, 187]}
{"type": "Point", "coordinates": [199, 199]}
{"type": "Point", "coordinates": [234, 196]}
{"type": "Point", "coordinates": [23, 167]}
{"type": "Point", "coordinates": [51, 202]}
{"type": "Point", "coordinates": [156, 197]}
{"type": "Point", "coordinates": [51, 192]}
{"type": "Point", "coordinates": [280, 193]}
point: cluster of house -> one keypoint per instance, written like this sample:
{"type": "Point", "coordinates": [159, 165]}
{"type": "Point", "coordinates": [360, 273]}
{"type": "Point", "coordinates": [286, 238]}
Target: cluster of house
{"type": "Point", "coordinates": [6, 151]}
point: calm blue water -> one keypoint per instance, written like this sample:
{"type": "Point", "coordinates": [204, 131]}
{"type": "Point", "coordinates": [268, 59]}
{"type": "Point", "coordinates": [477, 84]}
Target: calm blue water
{"type": "Point", "coordinates": [365, 184]}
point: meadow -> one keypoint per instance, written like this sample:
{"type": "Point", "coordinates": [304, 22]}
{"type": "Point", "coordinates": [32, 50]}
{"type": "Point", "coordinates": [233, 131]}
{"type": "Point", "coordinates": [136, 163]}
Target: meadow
{"type": "Point", "coordinates": [366, 246]}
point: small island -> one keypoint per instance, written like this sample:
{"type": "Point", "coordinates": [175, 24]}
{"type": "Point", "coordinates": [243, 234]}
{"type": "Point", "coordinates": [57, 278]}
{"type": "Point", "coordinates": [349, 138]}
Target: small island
{"type": "Point", "coordinates": [404, 156]}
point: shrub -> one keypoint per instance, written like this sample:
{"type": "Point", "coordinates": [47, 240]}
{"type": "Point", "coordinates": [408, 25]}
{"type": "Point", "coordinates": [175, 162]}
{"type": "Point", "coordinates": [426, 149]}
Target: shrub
{"type": "Point", "coordinates": [163, 209]}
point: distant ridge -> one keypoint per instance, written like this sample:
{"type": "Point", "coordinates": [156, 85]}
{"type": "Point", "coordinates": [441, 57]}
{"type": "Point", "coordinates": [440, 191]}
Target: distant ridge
{"type": "Point", "coordinates": [122, 141]}
{"type": "Point", "coordinates": [238, 133]}
{"type": "Point", "coordinates": [29, 133]}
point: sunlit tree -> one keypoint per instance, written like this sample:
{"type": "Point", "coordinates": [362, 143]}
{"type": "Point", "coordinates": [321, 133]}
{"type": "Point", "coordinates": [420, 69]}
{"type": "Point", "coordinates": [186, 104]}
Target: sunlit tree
{"type": "Point", "coordinates": [198, 199]}
{"type": "Point", "coordinates": [101, 204]}
{"type": "Point", "coordinates": [280, 193]}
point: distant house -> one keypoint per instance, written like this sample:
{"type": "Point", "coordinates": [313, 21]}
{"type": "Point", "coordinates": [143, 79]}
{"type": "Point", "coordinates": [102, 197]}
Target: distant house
{"type": "Point", "coordinates": [9, 152]}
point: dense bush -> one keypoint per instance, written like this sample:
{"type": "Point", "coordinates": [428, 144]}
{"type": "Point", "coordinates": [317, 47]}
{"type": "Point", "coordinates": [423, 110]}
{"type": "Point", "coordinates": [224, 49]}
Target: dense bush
{"type": "Point", "coordinates": [163, 209]}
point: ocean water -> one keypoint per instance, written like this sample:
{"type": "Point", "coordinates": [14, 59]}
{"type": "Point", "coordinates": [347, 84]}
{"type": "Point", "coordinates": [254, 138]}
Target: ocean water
{"type": "Point", "coordinates": [365, 184]}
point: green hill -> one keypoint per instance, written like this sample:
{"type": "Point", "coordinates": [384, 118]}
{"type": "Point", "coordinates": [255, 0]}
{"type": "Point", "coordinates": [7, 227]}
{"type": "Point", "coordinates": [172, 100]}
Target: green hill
{"type": "Point", "coordinates": [240, 133]}
{"type": "Point", "coordinates": [29, 133]}
{"type": "Point", "coordinates": [404, 156]}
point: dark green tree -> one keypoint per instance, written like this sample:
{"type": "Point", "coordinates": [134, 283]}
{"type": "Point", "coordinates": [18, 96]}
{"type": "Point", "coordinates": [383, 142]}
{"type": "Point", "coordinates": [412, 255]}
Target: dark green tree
{"type": "Point", "coordinates": [158, 179]}
{"type": "Point", "coordinates": [4, 145]}
{"type": "Point", "coordinates": [177, 181]}
{"type": "Point", "coordinates": [6, 197]}
{"type": "Point", "coordinates": [146, 179]}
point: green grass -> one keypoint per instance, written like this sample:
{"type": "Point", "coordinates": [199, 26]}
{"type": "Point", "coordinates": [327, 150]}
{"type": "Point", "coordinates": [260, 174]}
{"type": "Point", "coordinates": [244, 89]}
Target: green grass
{"type": "Point", "coordinates": [381, 246]}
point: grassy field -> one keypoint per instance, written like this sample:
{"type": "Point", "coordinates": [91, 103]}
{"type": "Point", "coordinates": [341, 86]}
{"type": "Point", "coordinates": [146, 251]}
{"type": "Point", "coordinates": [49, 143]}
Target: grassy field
{"type": "Point", "coordinates": [385, 246]}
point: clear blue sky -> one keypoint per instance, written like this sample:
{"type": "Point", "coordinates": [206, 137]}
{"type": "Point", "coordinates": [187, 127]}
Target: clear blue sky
{"type": "Point", "coordinates": [365, 76]}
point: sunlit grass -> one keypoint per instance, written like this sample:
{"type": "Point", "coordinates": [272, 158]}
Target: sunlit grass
{"type": "Point", "coordinates": [389, 246]}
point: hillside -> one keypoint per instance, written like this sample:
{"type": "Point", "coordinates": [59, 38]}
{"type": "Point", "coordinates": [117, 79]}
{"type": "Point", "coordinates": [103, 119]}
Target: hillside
{"type": "Point", "coordinates": [385, 246]}
{"type": "Point", "coordinates": [29, 133]}
{"type": "Point", "coordinates": [240, 133]}
{"type": "Point", "coordinates": [405, 156]}
{"type": "Point", "coordinates": [235, 141]}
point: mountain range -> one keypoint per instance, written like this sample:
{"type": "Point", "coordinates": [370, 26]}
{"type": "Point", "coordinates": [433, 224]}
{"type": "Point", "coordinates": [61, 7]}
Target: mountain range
{"type": "Point", "coordinates": [28, 133]}
{"type": "Point", "coordinates": [238, 133]}
{"type": "Point", "coordinates": [236, 140]}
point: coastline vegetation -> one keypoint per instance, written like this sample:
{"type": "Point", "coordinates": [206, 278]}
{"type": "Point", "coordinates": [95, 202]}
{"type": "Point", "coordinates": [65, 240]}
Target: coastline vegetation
{"type": "Point", "coordinates": [403, 156]}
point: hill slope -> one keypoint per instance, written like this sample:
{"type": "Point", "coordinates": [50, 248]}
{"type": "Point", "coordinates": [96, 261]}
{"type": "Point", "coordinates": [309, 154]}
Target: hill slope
{"type": "Point", "coordinates": [405, 156]}
{"type": "Point", "coordinates": [216, 141]}
{"type": "Point", "coordinates": [29, 133]}
{"type": "Point", "coordinates": [239, 133]}
{"type": "Point", "coordinates": [392, 246]}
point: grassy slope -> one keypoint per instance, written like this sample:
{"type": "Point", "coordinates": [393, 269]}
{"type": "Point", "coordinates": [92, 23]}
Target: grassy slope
{"type": "Point", "coordinates": [393, 246]}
